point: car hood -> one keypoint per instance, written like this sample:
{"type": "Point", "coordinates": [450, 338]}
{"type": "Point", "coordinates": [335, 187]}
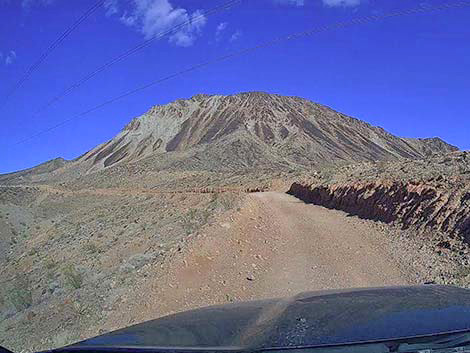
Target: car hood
{"type": "Point", "coordinates": [308, 319]}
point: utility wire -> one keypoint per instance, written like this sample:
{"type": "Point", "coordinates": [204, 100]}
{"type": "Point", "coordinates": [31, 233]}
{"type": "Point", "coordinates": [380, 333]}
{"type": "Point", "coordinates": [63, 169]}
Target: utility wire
{"type": "Point", "coordinates": [50, 49]}
{"type": "Point", "coordinates": [133, 50]}
{"type": "Point", "coordinates": [270, 43]}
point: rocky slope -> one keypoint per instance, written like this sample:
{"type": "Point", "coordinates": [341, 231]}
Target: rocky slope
{"type": "Point", "coordinates": [68, 256]}
{"type": "Point", "coordinates": [288, 124]}
{"type": "Point", "coordinates": [430, 195]}
{"type": "Point", "coordinates": [43, 171]}
{"type": "Point", "coordinates": [247, 130]}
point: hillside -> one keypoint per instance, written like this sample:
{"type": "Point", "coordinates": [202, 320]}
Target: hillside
{"type": "Point", "coordinates": [293, 128]}
{"type": "Point", "coordinates": [246, 130]}
{"type": "Point", "coordinates": [43, 170]}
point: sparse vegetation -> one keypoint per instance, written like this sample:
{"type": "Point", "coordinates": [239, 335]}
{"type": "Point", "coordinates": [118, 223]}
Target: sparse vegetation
{"type": "Point", "coordinates": [72, 277]}
{"type": "Point", "coordinates": [463, 271]}
{"type": "Point", "coordinates": [194, 219]}
{"type": "Point", "coordinates": [20, 294]}
{"type": "Point", "coordinates": [65, 338]}
{"type": "Point", "coordinates": [223, 200]}
{"type": "Point", "coordinates": [50, 264]}
{"type": "Point", "coordinates": [226, 201]}
{"type": "Point", "coordinates": [90, 248]}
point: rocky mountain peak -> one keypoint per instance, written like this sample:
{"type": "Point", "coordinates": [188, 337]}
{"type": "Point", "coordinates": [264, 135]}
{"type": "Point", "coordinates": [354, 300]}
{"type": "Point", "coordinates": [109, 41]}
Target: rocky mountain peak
{"type": "Point", "coordinates": [291, 124]}
{"type": "Point", "coordinates": [289, 130]}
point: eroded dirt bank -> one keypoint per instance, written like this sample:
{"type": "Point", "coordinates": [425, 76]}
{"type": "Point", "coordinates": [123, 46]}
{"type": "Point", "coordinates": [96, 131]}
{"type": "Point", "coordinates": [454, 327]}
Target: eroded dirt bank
{"type": "Point", "coordinates": [409, 204]}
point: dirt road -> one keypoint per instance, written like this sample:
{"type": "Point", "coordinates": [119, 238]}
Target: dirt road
{"type": "Point", "coordinates": [275, 245]}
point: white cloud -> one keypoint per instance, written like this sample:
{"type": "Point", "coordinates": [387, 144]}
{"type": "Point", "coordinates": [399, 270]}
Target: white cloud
{"type": "Point", "coordinates": [10, 57]}
{"type": "Point", "coordinates": [290, 2]}
{"type": "Point", "coordinates": [344, 3]}
{"type": "Point", "coordinates": [221, 27]}
{"type": "Point", "coordinates": [219, 30]}
{"type": "Point", "coordinates": [152, 17]}
{"type": "Point", "coordinates": [235, 36]}
{"type": "Point", "coordinates": [111, 7]}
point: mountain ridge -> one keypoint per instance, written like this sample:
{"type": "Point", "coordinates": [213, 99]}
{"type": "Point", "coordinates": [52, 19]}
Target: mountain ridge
{"type": "Point", "coordinates": [289, 128]}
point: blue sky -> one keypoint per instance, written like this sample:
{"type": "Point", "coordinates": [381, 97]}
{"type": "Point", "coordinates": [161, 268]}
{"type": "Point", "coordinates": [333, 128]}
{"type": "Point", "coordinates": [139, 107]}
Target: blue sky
{"type": "Point", "coordinates": [409, 74]}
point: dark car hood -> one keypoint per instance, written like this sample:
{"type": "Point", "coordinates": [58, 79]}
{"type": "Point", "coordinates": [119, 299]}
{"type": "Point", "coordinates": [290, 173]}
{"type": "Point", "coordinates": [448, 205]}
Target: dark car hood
{"type": "Point", "coordinates": [308, 319]}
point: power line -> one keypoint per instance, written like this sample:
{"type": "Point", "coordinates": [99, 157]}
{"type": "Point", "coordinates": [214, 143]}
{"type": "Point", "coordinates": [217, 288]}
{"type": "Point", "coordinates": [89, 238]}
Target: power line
{"type": "Point", "coordinates": [50, 49]}
{"type": "Point", "coordinates": [133, 50]}
{"type": "Point", "coordinates": [270, 43]}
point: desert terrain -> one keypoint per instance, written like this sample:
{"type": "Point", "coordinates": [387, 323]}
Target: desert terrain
{"type": "Point", "coordinates": [217, 199]}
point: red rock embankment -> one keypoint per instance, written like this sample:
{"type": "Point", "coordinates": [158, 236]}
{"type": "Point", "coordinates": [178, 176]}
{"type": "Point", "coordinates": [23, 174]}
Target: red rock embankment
{"type": "Point", "coordinates": [406, 203]}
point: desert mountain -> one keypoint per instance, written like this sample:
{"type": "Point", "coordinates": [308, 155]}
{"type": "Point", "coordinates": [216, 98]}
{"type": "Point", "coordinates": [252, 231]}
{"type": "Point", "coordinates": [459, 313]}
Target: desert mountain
{"type": "Point", "coordinates": [245, 130]}
{"type": "Point", "coordinates": [158, 219]}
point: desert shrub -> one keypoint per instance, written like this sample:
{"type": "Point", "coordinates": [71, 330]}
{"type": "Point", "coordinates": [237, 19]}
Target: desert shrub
{"type": "Point", "coordinates": [19, 294]}
{"type": "Point", "coordinates": [463, 271]}
{"type": "Point", "coordinates": [33, 252]}
{"type": "Point", "coordinates": [194, 219]}
{"type": "Point", "coordinates": [226, 201]}
{"type": "Point", "coordinates": [50, 264]}
{"type": "Point", "coordinates": [72, 277]}
{"type": "Point", "coordinates": [381, 167]}
{"type": "Point", "coordinates": [327, 174]}
{"type": "Point", "coordinates": [214, 197]}
{"type": "Point", "coordinates": [139, 260]}
{"type": "Point", "coordinates": [136, 261]}
{"type": "Point", "coordinates": [126, 268]}
{"type": "Point", "coordinates": [90, 248]}
{"type": "Point", "coordinates": [222, 201]}
{"type": "Point", "coordinates": [65, 338]}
